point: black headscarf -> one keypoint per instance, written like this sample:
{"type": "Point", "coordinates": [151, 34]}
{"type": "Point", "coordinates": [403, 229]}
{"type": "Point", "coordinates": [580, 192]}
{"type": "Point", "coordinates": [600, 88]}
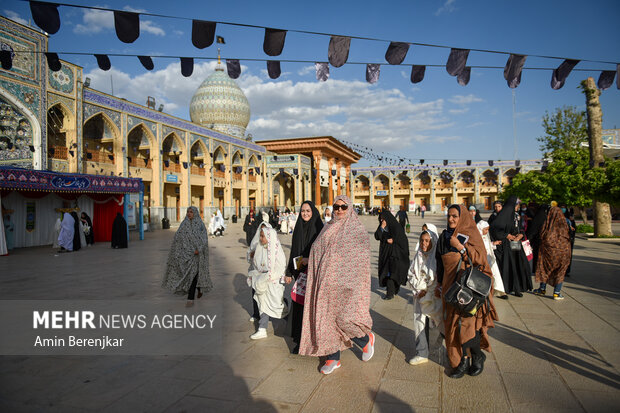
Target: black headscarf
{"type": "Point", "coordinates": [304, 235]}
{"type": "Point", "coordinates": [119, 232]}
{"type": "Point", "coordinates": [90, 237]}
{"type": "Point", "coordinates": [251, 227]}
{"type": "Point", "coordinates": [494, 214]}
{"type": "Point", "coordinates": [393, 258]}
{"type": "Point", "coordinates": [447, 234]}
{"type": "Point", "coordinates": [77, 244]}
{"type": "Point", "coordinates": [535, 226]}
{"type": "Point", "coordinates": [503, 224]}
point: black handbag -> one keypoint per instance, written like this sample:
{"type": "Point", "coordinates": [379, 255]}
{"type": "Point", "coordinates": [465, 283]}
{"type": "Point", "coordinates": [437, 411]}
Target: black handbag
{"type": "Point", "coordinates": [470, 290]}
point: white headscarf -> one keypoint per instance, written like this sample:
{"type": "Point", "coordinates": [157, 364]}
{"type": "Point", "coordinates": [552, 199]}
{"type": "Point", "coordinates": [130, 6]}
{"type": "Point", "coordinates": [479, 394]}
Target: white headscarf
{"type": "Point", "coordinates": [65, 238]}
{"type": "Point", "coordinates": [331, 213]}
{"type": "Point", "coordinates": [498, 284]}
{"type": "Point", "coordinates": [423, 277]}
{"type": "Point", "coordinates": [219, 220]}
{"type": "Point", "coordinates": [212, 226]}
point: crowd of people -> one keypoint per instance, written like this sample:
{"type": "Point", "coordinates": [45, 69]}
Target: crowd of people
{"type": "Point", "coordinates": [329, 267]}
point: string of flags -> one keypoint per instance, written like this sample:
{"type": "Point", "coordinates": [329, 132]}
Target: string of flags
{"type": "Point", "coordinates": [382, 158]}
{"type": "Point", "coordinates": [127, 27]}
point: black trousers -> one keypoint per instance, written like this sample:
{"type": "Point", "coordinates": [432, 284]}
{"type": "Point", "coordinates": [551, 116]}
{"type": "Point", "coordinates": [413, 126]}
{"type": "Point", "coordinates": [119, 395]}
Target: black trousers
{"type": "Point", "coordinates": [192, 288]}
{"type": "Point", "coordinates": [473, 345]}
{"type": "Point", "coordinates": [255, 312]}
{"type": "Point", "coordinates": [392, 287]}
{"type": "Point", "coordinates": [297, 322]}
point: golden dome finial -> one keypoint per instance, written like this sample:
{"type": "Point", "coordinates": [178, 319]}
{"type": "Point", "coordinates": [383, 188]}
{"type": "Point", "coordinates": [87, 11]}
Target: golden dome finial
{"type": "Point", "coordinates": [219, 59]}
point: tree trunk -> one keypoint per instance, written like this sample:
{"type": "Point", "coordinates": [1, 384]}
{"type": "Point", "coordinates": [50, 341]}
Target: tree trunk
{"type": "Point", "coordinates": [602, 213]}
{"type": "Point", "coordinates": [584, 215]}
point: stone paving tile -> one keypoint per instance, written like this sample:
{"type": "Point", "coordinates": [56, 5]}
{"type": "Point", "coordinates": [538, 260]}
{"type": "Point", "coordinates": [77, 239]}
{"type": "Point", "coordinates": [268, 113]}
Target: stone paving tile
{"type": "Point", "coordinates": [595, 401]}
{"type": "Point", "coordinates": [154, 396]}
{"type": "Point", "coordinates": [534, 390]}
{"type": "Point", "coordinates": [226, 387]}
{"type": "Point", "coordinates": [293, 382]}
{"type": "Point", "coordinates": [202, 404]}
{"type": "Point", "coordinates": [415, 394]}
{"type": "Point", "coordinates": [335, 394]}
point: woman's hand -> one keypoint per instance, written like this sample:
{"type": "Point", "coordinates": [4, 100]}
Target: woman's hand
{"type": "Point", "coordinates": [390, 241]}
{"type": "Point", "coordinates": [454, 242]}
{"type": "Point", "coordinates": [497, 242]}
{"type": "Point", "coordinates": [421, 293]}
{"type": "Point", "coordinates": [304, 261]}
{"type": "Point", "coordinates": [519, 237]}
{"type": "Point", "coordinates": [252, 254]}
{"type": "Point", "coordinates": [288, 280]}
{"type": "Point", "coordinates": [383, 223]}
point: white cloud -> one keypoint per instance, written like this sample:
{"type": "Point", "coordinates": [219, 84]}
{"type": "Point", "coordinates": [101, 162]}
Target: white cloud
{"type": "Point", "coordinates": [464, 100]}
{"type": "Point", "coordinates": [15, 17]}
{"type": "Point", "coordinates": [95, 21]}
{"type": "Point", "coordinates": [458, 111]}
{"type": "Point", "coordinates": [306, 70]}
{"type": "Point", "coordinates": [349, 110]}
{"type": "Point", "coordinates": [448, 7]}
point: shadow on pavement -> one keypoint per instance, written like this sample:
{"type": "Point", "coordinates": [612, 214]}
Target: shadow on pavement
{"type": "Point", "coordinates": [558, 353]}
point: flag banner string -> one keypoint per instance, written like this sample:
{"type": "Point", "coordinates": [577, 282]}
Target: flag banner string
{"type": "Point", "coordinates": [54, 5]}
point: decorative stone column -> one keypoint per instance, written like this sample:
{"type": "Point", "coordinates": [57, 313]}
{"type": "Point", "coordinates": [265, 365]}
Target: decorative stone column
{"type": "Point", "coordinates": [350, 186]}
{"type": "Point", "coordinates": [317, 179]}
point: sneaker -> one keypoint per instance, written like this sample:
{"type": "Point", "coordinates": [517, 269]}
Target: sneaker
{"type": "Point", "coordinates": [252, 319]}
{"type": "Point", "coordinates": [558, 296]}
{"type": "Point", "coordinates": [418, 360]}
{"type": "Point", "coordinates": [539, 291]}
{"type": "Point", "coordinates": [260, 333]}
{"type": "Point", "coordinates": [330, 366]}
{"type": "Point", "coordinates": [369, 348]}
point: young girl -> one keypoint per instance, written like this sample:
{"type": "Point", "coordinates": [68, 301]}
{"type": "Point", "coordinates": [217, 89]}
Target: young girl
{"type": "Point", "coordinates": [427, 306]}
{"type": "Point", "coordinates": [269, 265]}
{"type": "Point", "coordinates": [498, 284]}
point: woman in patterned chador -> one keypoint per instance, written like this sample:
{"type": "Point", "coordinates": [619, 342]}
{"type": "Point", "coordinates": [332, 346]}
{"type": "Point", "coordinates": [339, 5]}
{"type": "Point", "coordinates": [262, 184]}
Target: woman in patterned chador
{"type": "Point", "coordinates": [188, 261]}
{"type": "Point", "coordinates": [337, 299]}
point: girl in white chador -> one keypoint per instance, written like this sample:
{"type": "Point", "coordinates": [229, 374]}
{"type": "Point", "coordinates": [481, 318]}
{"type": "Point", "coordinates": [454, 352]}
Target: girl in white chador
{"type": "Point", "coordinates": [423, 279]}
{"type": "Point", "coordinates": [498, 284]}
{"type": "Point", "coordinates": [265, 274]}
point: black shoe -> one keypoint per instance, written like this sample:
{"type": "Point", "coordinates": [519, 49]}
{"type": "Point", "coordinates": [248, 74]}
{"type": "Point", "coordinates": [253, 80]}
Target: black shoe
{"type": "Point", "coordinates": [477, 364]}
{"type": "Point", "coordinates": [504, 297]}
{"type": "Point", "coordinates": [461, 369]}
{"type": "Point", "coordinates": [295, 350]}
{"type": "Point", "coordinates": [519, 294]}
{"type": "Point", "coordinates": [388, 297]}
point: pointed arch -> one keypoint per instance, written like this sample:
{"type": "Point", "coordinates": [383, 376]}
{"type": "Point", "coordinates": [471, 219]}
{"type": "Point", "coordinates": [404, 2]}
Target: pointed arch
{"type": "Point", "coordinates": [141, 145]}
{"type": "Point", "coordinates": [236, 159]}
{"type": "Point", "coordinates": [37, 135]}
{"type": "Point", "coordinates": [101, 138]}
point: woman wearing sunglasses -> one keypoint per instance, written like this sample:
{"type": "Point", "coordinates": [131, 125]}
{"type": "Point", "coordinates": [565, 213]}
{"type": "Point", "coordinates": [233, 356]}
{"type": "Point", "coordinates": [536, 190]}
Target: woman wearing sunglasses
{"type": "Point", "coordinates": [337, 299]}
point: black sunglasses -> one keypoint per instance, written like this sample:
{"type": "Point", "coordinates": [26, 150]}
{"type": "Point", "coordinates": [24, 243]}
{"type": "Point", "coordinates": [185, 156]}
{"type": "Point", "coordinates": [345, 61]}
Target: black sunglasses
{"type": "Point", "coordinates": [343, 207]}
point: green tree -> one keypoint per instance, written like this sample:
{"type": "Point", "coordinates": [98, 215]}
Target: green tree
{"type": "Point", "coordinates": [530, 187]}
{"type": "Point", "coordinates": [565, 129]}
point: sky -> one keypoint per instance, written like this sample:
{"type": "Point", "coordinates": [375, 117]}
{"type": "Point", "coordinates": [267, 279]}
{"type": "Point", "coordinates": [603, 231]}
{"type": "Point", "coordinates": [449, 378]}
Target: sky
{"type": "Point", "coordinates": [435, 119]}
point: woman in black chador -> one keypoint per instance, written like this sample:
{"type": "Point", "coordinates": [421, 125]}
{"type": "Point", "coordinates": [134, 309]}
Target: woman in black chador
{"type": "Point", "coordinates": [86, 221]}
{"type": "Point", "coordinates": [307, 228]}
{"type": "Point", "coordinates": [119, 232]}
{"type": "Point", "coordinates": [77, 244]}
{"type": "Point", "coordinates": [252, 221]}
{"type": "Point", "coordinates": [511, 259]}
{"type": "Point", "coordinates": [393, 254]}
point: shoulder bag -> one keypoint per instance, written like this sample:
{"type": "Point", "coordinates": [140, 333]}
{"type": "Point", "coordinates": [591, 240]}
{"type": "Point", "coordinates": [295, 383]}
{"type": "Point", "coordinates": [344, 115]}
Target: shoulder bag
{"type": "Point", "coordinates": [469, 291]}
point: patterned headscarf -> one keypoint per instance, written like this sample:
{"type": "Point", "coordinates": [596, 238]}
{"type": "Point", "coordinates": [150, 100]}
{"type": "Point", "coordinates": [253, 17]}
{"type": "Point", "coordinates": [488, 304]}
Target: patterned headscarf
{"type": "Point", "coordinates": [183, 264]}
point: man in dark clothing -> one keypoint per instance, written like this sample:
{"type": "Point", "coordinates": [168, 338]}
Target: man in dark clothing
{"type": "Point", "coordinates": [403, 219]}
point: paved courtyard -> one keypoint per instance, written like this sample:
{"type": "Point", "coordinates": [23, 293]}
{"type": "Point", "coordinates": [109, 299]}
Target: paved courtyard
{"type": "Point", "coordinates": [547, 356]}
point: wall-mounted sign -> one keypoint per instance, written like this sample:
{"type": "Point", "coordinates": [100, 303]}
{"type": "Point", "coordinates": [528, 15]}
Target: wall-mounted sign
{"type": "Point", "coordinates": [382, 193]}
{"type": "Point", "coordinates": [172, 178]}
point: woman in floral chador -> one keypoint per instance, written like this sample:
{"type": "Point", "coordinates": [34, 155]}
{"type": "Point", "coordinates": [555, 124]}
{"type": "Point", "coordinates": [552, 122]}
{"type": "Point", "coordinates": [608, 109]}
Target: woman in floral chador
{"type": "Point", "coordinates": [337, 296]}
{"type": "Point", "coordinates": [188, 261]}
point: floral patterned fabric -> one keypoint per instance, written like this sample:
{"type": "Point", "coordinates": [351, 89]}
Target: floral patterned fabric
{"type": "Point", "coordinates": [337, 297]}
{"type": "Point", "coordinates": [183, 264]}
